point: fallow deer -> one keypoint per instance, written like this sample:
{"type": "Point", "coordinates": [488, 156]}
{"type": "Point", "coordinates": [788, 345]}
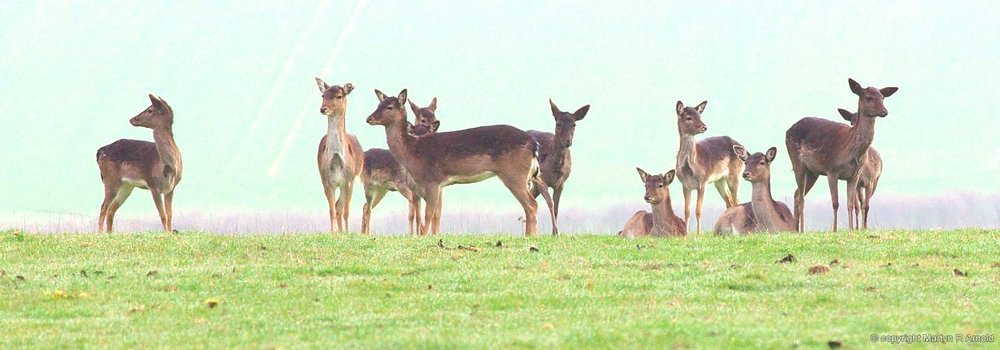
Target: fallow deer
{"type": "Point", "coordinates": [762, 213]}
{"type": "Point", "coordinates": [383, 173]}
{"type": "Point", "coordinates": [661, 221]}
{"type": "Point", "coordinates": [823, 147]}
{"type": "Point", "coordinates": [126, 164]}
{"type": "Point", "coordinates": [867, 181]}
{"type": "Point", "coordinates": [701, 162]}
{"type": "Point", "coordinates": [340, 157]}
{"type": "Point", "coordinates": [458, 157]}
{"type": "Point", "coordinates": [553, 155]}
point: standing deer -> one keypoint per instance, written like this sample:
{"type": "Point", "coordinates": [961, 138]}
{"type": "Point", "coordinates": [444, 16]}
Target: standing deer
{"type": "Point", "coordinates": [383, 173]}
{"type": "Point", "coordinates": [662, 221]}
{"type": "Point", "coordinates": [464, 156]}
{"type": "Point", "coordinates": [340, 158]}
{"type": "Point", "coordinates": [867, 181]}
{"type": "Point", "coordinates": [126, 164]}
{"type": "Point", "coordinates": [700, 162]}
{"type": "Point", "coordinates": [824, 147]}
{"type": "Point", "coordinates": [762, 213]}
{"type": "Point", "coordinates": [553, 155]}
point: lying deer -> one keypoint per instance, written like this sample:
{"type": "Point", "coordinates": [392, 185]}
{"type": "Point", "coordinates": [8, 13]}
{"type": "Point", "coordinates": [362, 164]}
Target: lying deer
{"type": "Point", "coordinates": [835, 150]}
{"type": "Point", "coordinates": [459, 157]}
{"type": "Point", "coordinates": [662, 221]}
{"type": "Point", "coordinates": [553, 155]}
{"type": "Point", "coordinates": [867, 181]}
{"type": "Point", "coordinates": [156, 166]}
{"type": "Point", "coordinates": [701, 162]}
{"type": "Point", "coordinates": [762, 213]}
{"type": "Point", "coordinates": [340, 158]}
{"type": "Point", "coordinates": [383, 173]}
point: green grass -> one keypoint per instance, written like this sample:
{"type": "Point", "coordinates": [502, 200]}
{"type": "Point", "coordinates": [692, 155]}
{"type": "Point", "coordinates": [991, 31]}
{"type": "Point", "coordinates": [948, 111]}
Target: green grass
{"type": "Point", "coordinates": [354, 291]}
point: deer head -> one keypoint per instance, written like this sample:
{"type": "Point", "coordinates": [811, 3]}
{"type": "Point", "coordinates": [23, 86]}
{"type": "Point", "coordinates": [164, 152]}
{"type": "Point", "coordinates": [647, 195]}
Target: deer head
{"type": "Point", "coordinates": [870, 99]}
{"type": "Point", "coordinates": [689, 119]}
{"type": "Point", "coordinates": [758, 165]}
{"type": "Point", "coordinates": [390, 110]}
{"type": "Point", "coordinates": [657, 189]}
{"type": "Point", "coordinates": [157, 115]}
{"type": "Point", "coordinates": [425, 122]}
{"type": "Point", "coordinates": [334, 97]}
{"type": "Point", "coordinates": [566, 123]}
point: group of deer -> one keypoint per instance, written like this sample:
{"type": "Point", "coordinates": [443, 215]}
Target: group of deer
{"type": "Point", "coordinates": [419, 163]}
{"type": "Point", "coordinates": [815, 147]}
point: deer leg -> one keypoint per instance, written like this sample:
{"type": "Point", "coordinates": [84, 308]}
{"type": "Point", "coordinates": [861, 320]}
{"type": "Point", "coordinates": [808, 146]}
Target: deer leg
{"type": "Point", "coordinates": [519, 188]}
{"type": "Point", "coordinates": [168, 205]}
{"type": "Point", "coordinates": [687, 208]}
{"type": "Point", "coordinates": [345, 194]}
{"type": "Point", "coordinates": [733, 182]}
{"type": "Point", "coordinates": [120, 197]}
{"type": "Point", "coordinates": [543, 189]}
{"type": "Point", "coordinates": [697, 210]}
{"type": "Point", "coordinates": [328, 191]}
{"type": "Point", "coordinates": [340, 209]}
{"type": "Point", "coordinates": [868, 200]}
{"type": "Point", "coordinates": [109, 196]}
{"type": "Point", "coordinates": [723, 189]}
{"type": "Point", "coordinates": [808, 180]}
{"type": "Point", "coordinates": [853, 210]}
{"type": "Point", "coordinates": [433, 200]}
{"type": "Point", "coordinates": [158, 200]}
{"type": "Point", "coordinates": [556, 194]}
{"type": "Point", "coordinates": [832, 180]}
{"type": "Point", "coordinates": [415, 217]}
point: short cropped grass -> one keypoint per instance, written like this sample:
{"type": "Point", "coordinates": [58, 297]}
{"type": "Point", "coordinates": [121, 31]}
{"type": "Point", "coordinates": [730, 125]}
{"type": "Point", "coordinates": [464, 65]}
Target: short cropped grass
{"type": "Point", "coordinates": [201, 290]}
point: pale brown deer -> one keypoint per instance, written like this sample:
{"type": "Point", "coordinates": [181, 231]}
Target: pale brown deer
{"type": "Point", "coordinates": [867, 181]}
{"type": "Point", "coordinates": [340, 157]}
{"type": "Point", "coordinates": [383, 173]}
{"type": "Point", "coordinates": [707, 161]}
{"type": "Point", "coordinates": [458, 157]}
{"type": "Point", "coordinates": [762, 213]}
{"type": "Point", "coordinates": [823, 147]}
{"type": "Point", "coordinates": [156, 166]}
{"type": "Point", "coordinates": [554, 157]}
{"type": "Point", "coordinates": [661, 221]}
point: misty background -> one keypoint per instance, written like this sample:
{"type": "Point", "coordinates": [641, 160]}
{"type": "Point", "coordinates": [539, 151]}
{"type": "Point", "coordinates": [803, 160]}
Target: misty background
{"type": "Point", "coordinates": [239, 76]}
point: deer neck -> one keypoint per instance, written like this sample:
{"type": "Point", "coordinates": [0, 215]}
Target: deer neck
{"type": "Point", "coordinates": [336, 136]}
{"type": "Point", "coordinates": [559, 154]}
{"type": "Point", "coordinates": [688, 152]}
{"type": "Point", "coordinates": [862, 134]}
{"type": "Point", "coordinates": [400, 142]}
{"type": "Point", "coordinates": [662, 212]}
{"type": "Point", "coordinates": [170, 155]}
{"type": "Point", "coordinates": [764, 209]}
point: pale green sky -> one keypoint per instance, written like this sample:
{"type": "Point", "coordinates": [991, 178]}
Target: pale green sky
{"type": "Point", "coordinates": [239, 76]}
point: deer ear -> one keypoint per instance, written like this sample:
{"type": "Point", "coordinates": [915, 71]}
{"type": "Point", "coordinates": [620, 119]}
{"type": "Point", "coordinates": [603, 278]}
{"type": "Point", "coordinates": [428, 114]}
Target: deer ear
{"type": "Point", "coordinates": [582, 112]}
{"type": "Point", "coordinates": [680, 108]}
{"type": "Point", "coordinates": [380, 95]}
{"type": "Point", "coordinates": [322, 85]}
{"type": "Point", "coordinates": [668, 177]}
{"type": "Point", "coordinates": [741, 152]}
{"type": "Point", "coordinates": [157, 103]}
{"type": "Point", "coordinates": [402, 97]}
{"type": "Point", "coordinates": [643, 175]}
{"type": "Point", "coordinates": [855, 87]}
{"type": "Point", "coordinates": [434, 105]}
{"type": "Point", "coordinates": [413, 106]}
{"type": "Point", "coordinates": [435, 125]}
{"type": "Point", "coordinates": [348, 87]}
{"type": "Point", "coordinates": [848, 116]}
{"type": "Point", "coordinates": [555, 109]}
{"type": "Point", "coordinates": [888, 91]}
{"type": "Point", "coordinates": [771, 153]}
{"type": "Point", "coordinates": [701, 107]}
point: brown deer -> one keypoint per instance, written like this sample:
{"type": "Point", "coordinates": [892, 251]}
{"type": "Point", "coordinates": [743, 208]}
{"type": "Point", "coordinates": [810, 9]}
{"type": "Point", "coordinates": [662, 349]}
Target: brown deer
{"type": "Point", "coordinates": [553, 155]}
{"type": "Point", "coordinates": [823, 147]}
{"type": "Point", "coordinates": [340, 157]}
{"type": "Point", "coordinates": [126, 164]}
{"type": "Point", "coordinates": [762, 213]}
{"type": "Point", "coordinates": [459, 157]}
{"type": "Point", "coordinates": [383, 173]}
{"type": "Point", "coordinates": [700, 162]}
{"type": "Point", "coordinates": [867, 181]}
{"type": "Point", "coordinates": [662, 221]}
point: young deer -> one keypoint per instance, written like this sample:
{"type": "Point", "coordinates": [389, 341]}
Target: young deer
{"type": "Point", "coordinates": [867, 181]}
{"type": "Point", "coordinates": [762, 213]}
{"type": "Point", "coordinates": [662, 221]}
{"type": "Point", "coordinates": [553, 155]}
{"type": "Point", "coordinates": [465, 156]}
{"type": "Point", "coordinates": [383, 173]}
{"type": "Point", "coordinates": [835, 150]}
{"type": "Point", "coordinates": [340, 158]}
{"type": "Point", "coordinates": [126, 164]}
{"type": "Point", "coordinates": [700, 162]}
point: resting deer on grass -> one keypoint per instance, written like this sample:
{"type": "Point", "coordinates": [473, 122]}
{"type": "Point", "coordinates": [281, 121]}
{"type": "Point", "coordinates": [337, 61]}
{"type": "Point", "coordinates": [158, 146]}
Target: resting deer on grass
{"type": "Point", "coordinates": [553, 155]}
{"type": "Point", "coordinates": [867, 181]}
{"type": "Point", "coordinates": [156, 166]}
{"type": "Point", "coordinates": [835, 150]}
{"type": "Point", "coordinates": [662, 221]}
{"type": "Point", "coordinates": [340, 158]}
{"type": "Point", "coordinates": [762, 213]}
{"type": "Point", "coordinates": [457, 157]}
{"type": "Point", "coordinates": [701, 162]}
{"type": "Point", "coordinates": [383, 173]}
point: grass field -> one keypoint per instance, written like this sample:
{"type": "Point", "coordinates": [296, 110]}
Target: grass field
{"type": "Point", "coordinates": [202, 290]}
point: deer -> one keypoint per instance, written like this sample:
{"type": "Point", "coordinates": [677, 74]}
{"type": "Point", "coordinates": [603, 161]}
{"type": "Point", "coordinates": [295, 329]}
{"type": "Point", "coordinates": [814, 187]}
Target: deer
{"type": "Point", "coordinates": [126, 164]}
{"type": "Point", "coordinates": [819, 146]}
{"type": "Point", "coordinates": [867, 181]}
{"type": "Point", "coordinates": [661, 221]}
{"type": "Point", "coordinates": [340, 158]}
{"type": "Point", "coordinates": [554, 157]}
{"type": "Point", "coordinates": [707, 161]}
{"type": "Point", "coordinates": [460, 157]}
{"type": "Point", "coordinates": [762, 213]}
{"type": "Point", "coordinates": [383, 173]}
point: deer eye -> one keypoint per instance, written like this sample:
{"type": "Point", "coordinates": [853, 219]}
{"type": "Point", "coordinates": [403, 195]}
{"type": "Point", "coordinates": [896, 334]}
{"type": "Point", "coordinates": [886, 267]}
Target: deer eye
{"type": "Point", "coordinates": [688, 118]}
{"type": "Point", "coordinates": [340, 96]}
